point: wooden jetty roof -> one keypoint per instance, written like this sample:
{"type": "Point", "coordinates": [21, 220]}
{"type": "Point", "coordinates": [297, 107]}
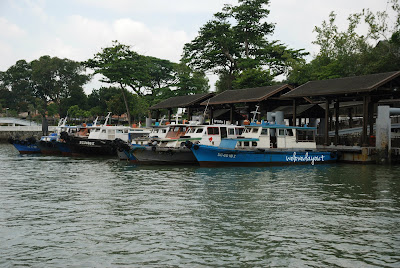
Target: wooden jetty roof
{"type": "Point", "coordinates": [247, 95]}
{"type": "Point", "coordinates": [341, 86]}
{"type": "Point", "coordinates": [182, 101]}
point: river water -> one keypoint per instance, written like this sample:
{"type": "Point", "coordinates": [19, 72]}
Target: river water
{"type": "Point", "coordinates": [76, 212]}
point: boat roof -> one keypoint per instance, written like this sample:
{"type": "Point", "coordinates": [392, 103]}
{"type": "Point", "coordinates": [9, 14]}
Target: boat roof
{"type": "Point", "coordinates": [274, 126]}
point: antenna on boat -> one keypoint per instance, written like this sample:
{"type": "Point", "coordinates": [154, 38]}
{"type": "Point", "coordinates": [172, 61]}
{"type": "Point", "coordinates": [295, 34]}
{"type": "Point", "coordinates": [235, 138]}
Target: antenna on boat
{"type": "Point", "coordinates": [107, 117]}
{"type": "Point", "coordinates": [162, 119]}
{"type": "Point", "coordinates": [205, 110]}
{"type": "Point", "coordinates": [177, 118]}
{"type": "Point", "coordinates": [255, 113]}
{"type": "Point", "coordinates": [95, 121]}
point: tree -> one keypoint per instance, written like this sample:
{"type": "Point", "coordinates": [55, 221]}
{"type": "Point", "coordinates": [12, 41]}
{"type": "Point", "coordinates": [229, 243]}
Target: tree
{"type": "Point", "coordinates": [122, 66]}
{"type": "Point", "coordinates": [349, 53]}
{"type": "Point", "coordinates": [236, 41]}
{"type": "Point", "coordinates": [190, 81]}
{"type": "Point", "coordinates": [54, 79]}
{"type": "Point", "coordinates": [16, 83]}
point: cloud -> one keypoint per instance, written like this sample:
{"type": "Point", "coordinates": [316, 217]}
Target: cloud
{"type": "Point", "coordinates": [157, 6]}
{"type": "Point", "coordinates": [10, 30]}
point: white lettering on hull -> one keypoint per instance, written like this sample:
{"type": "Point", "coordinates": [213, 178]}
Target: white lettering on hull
{"type": "Point", "coordinates": [306, 158]}
{"type": "Point", "coordinates": [90, 143]}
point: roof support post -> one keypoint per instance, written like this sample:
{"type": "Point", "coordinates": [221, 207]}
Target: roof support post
{"type": "Point", "coordinates": [231, 113]}
{"type": "Point", "coordinates": [371, 117]}
{"type": "Point", "coordinates": [211, 114]}
{"type": "Point", "coordinates": [157, 115]}
{"type": "Point", "coordinates": [169, 115]}
{"type": "Point", "coordinates": [337, 122]}
{"type": "Point", "coordinates": [326, 130]}
{"type": "Point", "coordinates": [189, 113]}
{"type": "Point", "coordinates": [366, 100]}
{"type": "Point", "coordinates": [294, 112]}
{"type": "Point", "coordinates": [350, 114]}
{"type": "Point", "coordinates": [260, 107]}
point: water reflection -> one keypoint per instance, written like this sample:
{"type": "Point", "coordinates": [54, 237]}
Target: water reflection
{"type": "Point", "coordinates": [60, 211]}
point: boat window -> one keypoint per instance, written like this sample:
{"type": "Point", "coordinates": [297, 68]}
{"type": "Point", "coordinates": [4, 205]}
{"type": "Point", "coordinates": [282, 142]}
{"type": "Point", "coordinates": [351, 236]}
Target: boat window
{"type": "Point", "coordinates": [305, 135]}
{"type": "Point", "coordinates": [246, 143]}
{"type": "Point", "coordinates": [231, 131]}
{"type": "Point", "coordinates": [164, 131]}
{"type": "Point", "coordinates": [254, 144]}
{"type": "Point", "coordinates": [103, 131]}
{"type": "Point", "coordinates": [281, 132]}
{"type": "Point", "coordinates": [289, 132]}
{"type": "Point", "coordinates": [239, 131]}
{"type": "Point", "coordinates": [213, 131]}
{"type": "Point", "coordinates": [255, 130]}
{"type": "Point", "coordinates": [247, 130]}
{"type": "Point", "coordinates": [264, 131]}
{"type": "Point", "coordinates": [199, 130]}
{"type": "Point", "coordinates": [119, 131]}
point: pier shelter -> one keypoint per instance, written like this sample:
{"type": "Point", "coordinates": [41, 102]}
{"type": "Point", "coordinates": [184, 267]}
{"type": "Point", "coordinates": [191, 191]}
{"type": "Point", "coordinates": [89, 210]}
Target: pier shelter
{"type": "Point", "coordinates": [366, 90]}
{"type": "Point", "coordinates": [266, 98]}
{"type": "Point", "coordinates": [190, 102]}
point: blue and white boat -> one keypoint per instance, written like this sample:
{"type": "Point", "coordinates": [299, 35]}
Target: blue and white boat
{"type": "Point", "coordinates": [28, 146]}
{"type": "Point", "coordinates": [265, 144]}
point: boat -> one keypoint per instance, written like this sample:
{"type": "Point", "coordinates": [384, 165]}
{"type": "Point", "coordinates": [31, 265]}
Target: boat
{"type": "Point", "coordinates": [101, 140]}
{"type": "Point", "coordinates": [27, 146]}
{"type": "Point", "coordinates": [54, 144]}
{"type": "Point", "coordinates": [172, 148]}
{"type": "Point", "coordinates": [264, 144]}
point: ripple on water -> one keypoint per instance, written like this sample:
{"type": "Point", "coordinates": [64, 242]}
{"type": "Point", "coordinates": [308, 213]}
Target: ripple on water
{"type": "Point", "coordinates": [62, 211]}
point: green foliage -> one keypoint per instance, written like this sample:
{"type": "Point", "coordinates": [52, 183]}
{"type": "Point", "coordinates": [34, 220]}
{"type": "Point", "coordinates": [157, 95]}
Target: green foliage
{"type": "Point", "coordinates": [349, 53]}
{"type": "Point", "coordinates": [253, 78]}
{"type": "Point", "coordinates": [54, 79]}
{"type": "Point", "coordinates": [120, 65]}
{"type": "Point", "coordinates": [236, 40]}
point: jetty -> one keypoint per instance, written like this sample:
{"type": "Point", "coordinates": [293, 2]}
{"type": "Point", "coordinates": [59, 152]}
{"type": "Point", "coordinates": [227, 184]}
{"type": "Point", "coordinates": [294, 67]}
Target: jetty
{"type": "Point", "coordinates": [355, 116]}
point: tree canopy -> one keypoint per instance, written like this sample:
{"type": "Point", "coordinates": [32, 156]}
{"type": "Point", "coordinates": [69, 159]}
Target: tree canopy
{"type": "Point", "coordinates": [236, 41]}
{"type": "Point", "coordinates": [352, 51]}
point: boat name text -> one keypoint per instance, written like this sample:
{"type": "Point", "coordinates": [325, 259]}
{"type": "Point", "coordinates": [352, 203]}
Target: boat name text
{"type": "Point", "coordinates": [226, 155]}
{"type": "Point", "coordinates": [90, 143]}
{"type": "Point", "coordinates": [305, 158]}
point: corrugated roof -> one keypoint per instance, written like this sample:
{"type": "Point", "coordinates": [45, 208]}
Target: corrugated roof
{"type": "Point", "coordinates": [246, 95]}
{"type": "Point", "coordinates": [182, 101]}
{"type": "Point", "coordinates": [355, 84]}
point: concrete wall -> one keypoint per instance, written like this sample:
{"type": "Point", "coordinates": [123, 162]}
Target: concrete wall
{"type": "Point", "coordinates": [22, 132]}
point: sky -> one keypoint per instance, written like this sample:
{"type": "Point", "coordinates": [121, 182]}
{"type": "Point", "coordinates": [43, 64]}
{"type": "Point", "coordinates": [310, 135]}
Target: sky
{"type": "Point", "coordinates": [78, 29]}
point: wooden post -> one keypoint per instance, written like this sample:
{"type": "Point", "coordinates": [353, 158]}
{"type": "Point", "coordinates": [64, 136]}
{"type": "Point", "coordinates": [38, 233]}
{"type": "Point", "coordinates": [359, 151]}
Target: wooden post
{"type": "Point", "coordinates": [326, 130]}
{"type": "Point", "coordinates": [365, 121]}
{"type": "Point", "coordinates": [211, 114]}
{"type": "Point", "coordinates": [371, 117]}
{"type": "Point", "coordinates": [259, 109]}
{"type": "Point", "coordinates": [189, 113]}
{"type": "Point", "coordinates": [157, 115]}
{"type": "Point", "coordinates": [169, 115]}
{"type": "Point", "coordinates": [231, 113]}
{"type": "Point", "coordinates": [350, 117]}
{"type": "Point", "coordinates": [294, 112]}
{"type": "Point", "coordinates": [337, 122]}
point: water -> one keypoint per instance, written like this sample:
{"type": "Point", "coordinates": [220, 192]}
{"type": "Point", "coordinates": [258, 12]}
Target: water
{"type": "Point", "coordinates": [70, 212]}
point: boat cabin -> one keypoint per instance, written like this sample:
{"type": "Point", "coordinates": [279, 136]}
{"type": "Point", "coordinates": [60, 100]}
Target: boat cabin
{"type": "Point", "coordinates": [276, 136]}
{"type": "Point", "coordinates": [109, 133]}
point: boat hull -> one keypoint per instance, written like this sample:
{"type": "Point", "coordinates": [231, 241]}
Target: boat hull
{"type": "Point", "coordinates": [48, 147]}
{"type": "Point", "coordinates": [91, 147]}
{"type": "Point", "coordinates": [160, 156]}
{"type": "Point", "coordinates": [28, 146]}
{"type": "Point", "coordinates": [27, 149]}
{"type": "Point", "coordinates": [215, 156]}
